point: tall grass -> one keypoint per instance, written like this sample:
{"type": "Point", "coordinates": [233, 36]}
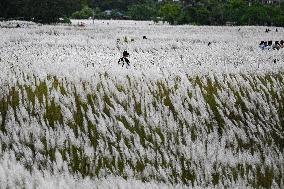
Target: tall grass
{"type": "Point", "coordinates": [197, 130]}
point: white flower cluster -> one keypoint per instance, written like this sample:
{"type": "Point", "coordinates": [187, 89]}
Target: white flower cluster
{"type": "Point", "coordinates": [184, 115]}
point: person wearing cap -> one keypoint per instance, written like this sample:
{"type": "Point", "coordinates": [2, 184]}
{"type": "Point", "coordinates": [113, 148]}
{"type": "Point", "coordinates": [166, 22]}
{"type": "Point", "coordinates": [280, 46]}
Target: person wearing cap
{"type": "Point", "coordinates": [124, 59]}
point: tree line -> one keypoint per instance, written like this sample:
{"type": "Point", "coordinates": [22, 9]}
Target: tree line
{"type": "Point", "coordinates": [43, 11]}
{"type": "Point", "coordinates": [197, 12]}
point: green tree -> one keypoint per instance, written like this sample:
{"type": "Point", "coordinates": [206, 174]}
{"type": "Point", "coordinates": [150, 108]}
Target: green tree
{"type": "Point", "coordinates": [170, 13]}
{"type": "Point", "coordinates": [200, 15]}
{"type": "Point", "coordinates": [234, 10]}
{"type": "Point", "coordinates": [85, 13]}
{"type": "Point", "coordinates": [202, 12]}
{"type": "Point", "coordinates": [8, 8]}
{"type": "Point", "coordinates": [183, 18]}
{"type": "Point", "coordinates": [113, 4]}
{"type": "Point", "coordinates": [279, 21]}
{"type": "Point", "coordinates": [255, 15]}
{"type": "Point", "coordinates": [216, 12]}
{"type": "Point", "coordinates": [282, 5]}
{"type": "Point", "coordinates": [141, 12]}
{"type": "Point", "coordinates": [98, 13]}
{"type": "Point", "coordinates": [45, 11]}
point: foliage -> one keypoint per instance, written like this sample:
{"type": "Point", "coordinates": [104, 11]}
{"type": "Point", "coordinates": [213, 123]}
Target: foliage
{"type": "Point", "coordinates": [279, 21]}
{"type": "Point", "coordinates": [121, 5]}
{"type": "Point", "coordinates": [234, 10]}
{"type": "Point", "coordinates": [255, 15]}
{"type": "Point", "coordinates": [200, 15]}
{"type": "Point", "coordinates": [170, 12]}
{"type": "Point", "coordinates": [98, 13]}
{"type": "Point", "coordinates": [65, 20]}
{"type": "Point", "coordinates": [44, 11]}
{"type": "Point", "coordinates": [201, 12]}
{"type": "Point", "coordinates": [141, 12]}
{"type": "Point", "coordinates": [85, 13]}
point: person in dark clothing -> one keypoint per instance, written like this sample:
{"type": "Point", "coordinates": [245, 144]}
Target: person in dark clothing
{"type": "Point", "coordinates": [276, 45]}
{"type": "Point", "coordinates": [281, 44]}
{"type": "Point", "coordinates": [262, 45]}
{"type": "Point", "coordinates": [209, 44]}
{"type": "Point", "coordinates": [124, 59]}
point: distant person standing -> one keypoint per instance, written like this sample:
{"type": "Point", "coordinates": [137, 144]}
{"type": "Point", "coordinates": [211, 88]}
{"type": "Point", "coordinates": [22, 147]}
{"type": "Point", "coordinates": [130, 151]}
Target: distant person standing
{"type": "Point", "coordinates": [124, 59]}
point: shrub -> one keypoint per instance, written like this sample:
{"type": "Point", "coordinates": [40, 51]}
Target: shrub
{"type": "Point", "coordinates": [279, 21]}
{"type": "Point", "coordinates": [85, 13]}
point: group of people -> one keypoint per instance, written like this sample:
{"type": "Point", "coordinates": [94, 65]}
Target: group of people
{"type": "Point", "coordinates": [264, 45]}
{"type": "Point", "coordinates": [268, 30]}
{"type": "Point", "coordinates": [268, 45]}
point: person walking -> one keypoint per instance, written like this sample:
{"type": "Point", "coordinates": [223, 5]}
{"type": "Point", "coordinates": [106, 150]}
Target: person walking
{"type": "Point", "coordinates": [124, 59]}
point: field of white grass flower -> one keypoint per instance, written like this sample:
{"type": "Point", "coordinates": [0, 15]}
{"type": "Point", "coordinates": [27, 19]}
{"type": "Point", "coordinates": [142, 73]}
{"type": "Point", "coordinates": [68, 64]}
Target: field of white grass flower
{"type": "Point", "coordinates": [184, 115]}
